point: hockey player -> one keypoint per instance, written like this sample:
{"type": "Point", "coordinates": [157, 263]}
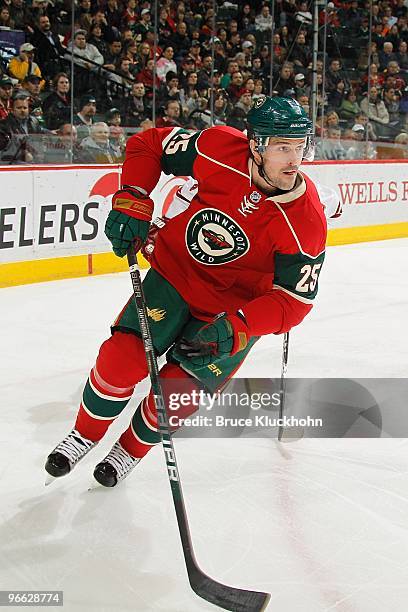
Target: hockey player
{"type": "Point", "coordinates": [241, 261]}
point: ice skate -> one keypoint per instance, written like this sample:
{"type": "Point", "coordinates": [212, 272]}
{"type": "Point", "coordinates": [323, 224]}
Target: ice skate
{"type": "Point", "coordinates": [115, 467]}
{"type": "Point", "coordinates": [67, 454]}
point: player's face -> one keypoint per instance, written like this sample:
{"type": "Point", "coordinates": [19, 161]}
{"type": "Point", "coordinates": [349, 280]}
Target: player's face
{"type": "Point", "coordinates": [282, 159]}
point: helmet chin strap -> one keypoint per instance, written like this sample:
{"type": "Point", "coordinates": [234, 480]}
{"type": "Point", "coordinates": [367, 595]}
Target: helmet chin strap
{"type": "Point", "coordinates": [262, 173]}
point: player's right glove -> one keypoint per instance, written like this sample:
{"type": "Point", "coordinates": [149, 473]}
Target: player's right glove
{"type": "Point", "coordinates": [129, 220]}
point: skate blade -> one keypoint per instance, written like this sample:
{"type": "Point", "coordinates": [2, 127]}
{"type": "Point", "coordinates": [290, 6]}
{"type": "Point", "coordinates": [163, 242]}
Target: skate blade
{"type": "Point", "coordinates": [49, 480]}
{"type": "Point", "coordinates": [291, 434]}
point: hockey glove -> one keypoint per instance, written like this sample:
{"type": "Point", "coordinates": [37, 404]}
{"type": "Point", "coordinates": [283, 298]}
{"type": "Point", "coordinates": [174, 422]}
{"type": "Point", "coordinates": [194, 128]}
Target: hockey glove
{"type": "Point", "coordinates": [129, 220]}
{"type": "Point", "coordinates": [224, 337]}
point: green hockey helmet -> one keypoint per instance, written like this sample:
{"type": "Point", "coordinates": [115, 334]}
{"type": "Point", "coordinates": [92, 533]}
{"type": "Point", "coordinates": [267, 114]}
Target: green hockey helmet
{"type": "Point", "coordinates": [285, 117]}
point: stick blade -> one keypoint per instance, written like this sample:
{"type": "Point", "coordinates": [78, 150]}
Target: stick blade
{"type": "Point", "coordinates": [227, 597]}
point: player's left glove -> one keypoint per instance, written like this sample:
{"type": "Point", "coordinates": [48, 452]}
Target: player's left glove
{"type": "Point", "coordinates": [224, 337]}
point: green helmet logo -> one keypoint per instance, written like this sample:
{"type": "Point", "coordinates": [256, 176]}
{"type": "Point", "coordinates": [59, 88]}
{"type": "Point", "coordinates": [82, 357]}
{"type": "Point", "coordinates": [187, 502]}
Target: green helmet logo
{"type": "Point", "coordinates": [278, 117]}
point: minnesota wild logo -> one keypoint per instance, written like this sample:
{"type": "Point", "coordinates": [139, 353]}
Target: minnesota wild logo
{"type": "Point", "coordinates": [213, 238]}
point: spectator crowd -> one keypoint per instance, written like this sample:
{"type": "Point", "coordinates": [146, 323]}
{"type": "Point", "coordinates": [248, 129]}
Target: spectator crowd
{"type": "Point", "coordinates": [210, 66]}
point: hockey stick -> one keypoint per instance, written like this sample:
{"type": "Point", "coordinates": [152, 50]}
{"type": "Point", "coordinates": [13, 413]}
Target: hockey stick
{"type": "Point", "coordinates": [226, 597]}
{"type": "Point", "coordinates": [288, 434]}
{"type": "Point", "coordinates": [282, 389]}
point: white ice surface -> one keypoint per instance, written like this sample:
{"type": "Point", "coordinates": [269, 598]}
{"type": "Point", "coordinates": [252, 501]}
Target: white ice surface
{"type": "Point", "coordinates": [325, 529]}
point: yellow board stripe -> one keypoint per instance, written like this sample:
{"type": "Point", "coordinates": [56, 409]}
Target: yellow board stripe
{"type": "Point", "coordinates": [40, 270]}
{"type": "Point", "coordinates": [367, 233]}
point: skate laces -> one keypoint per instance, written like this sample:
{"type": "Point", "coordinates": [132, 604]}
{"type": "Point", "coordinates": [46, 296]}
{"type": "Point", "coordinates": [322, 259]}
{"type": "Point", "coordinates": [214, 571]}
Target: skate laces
{"type": "Point", "coordinates": [74, 446]}
{"type": "Point", "coordinates": [120, 460]}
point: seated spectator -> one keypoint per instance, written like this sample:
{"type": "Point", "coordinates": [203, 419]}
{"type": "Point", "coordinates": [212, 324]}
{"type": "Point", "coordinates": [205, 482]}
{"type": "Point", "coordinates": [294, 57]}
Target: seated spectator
{"type": "Point", "coordinates": [303, 15]}
{"type": "Point", "coordinates": [19, 13]}
{"type": "Point", "coordinates": [15, 131]}
{"type": "Point", "coordinates": [258, 90]}
{"type": "Point", "coordinates": [144, 25]}
{"type": "Point", "coordinates": [180, 40]}
{"type": "Point", "coordinates": [187, 67]}
{"type": "Point", "coordinates": [129, 16]}
{"type": "Point", "coordinates": [362, 119]}
{"type": "Point", "coordinates": [170, 89]}
{"type": "Point", "coordinates": [332, 119]}
{"type": "Point", "coordinates": [122, 77]}
{"type": "Point", "coordinates": [6, 93]}
{"type": "Point", "coordinates": [204, 75]}
{"type": "Point", "coordinates": [22, 65]}
{"type": "Point", "coordinates": [360, 149]}
{"type": "Point", "coordinates": [86, 58]}
{"type": "Point", "coordinates": [387, 55]}
{"type": "Point", "coordinates": [322, 101]}
{"type": "Point", "coordinates": [49, 50]}
{"type": "Point", "coordinates": [31, 87]}
{"type": "Point", "coordinates": [222, 108]}
{"type": "Point", "coordinates": [401, 151]}
{"type": "Point", "coordinates": [257, 67]}
{"type": "Point", "coordinates": [279, 52]}
{"type": "Point", "coordinates": [301, 88]}
{"type": "Point", "coordinates": [172, 115]}
{"type": "Point", "coordinates": [113, 55]}
{"type": "Point", "coordinates": [189, 94]}
{"type": "Point", "coordinates": [63, 147]}
{"type": "Point", "coordinates": [349, 106]}
{"type": "Point", "coordinates": [331, 146]}
{"type": "Point", "coordinates": [304, 103]}
{"type": "Point", "coordinates": [84, 119]}
{"type": "Point", "coordinates": [232, 66]}
{"type": "Point", "coordinates": [97, 39]}
{"type": "Point", "coordinates": [195, 54]}
{"type": "Point", "coordinates": [301, 54]}
{"type": "Point", "coordinates": [391, 98]}
{"type": "Point", "coordinates": [97, 148]}
{"type": "Point", "coordinates": [136, 107]}
{"type": "Point", "coordinates": [393, 69]}
{"type": "Point", "coordinates": [335, 74]}
{"type": "Point", "coordinates": [57, 105]}
{"type": "Point", "coordinates": [285, 79]}
{"type": "Point", "coordinates": [234, 89]}
{"type": "Point", "coordinates": [336, 95]}
{"type": "Point", "coordinates": [263, 21]}
{"type": "Point", "coordinates": [5, 20]}
{"type": "Point", "coordinates": [402, 55]}
{"type": "Point", "coordinates": [166, 63]}
{"type": "Point", "coordinates": [113, 14]}
{"type": "Point", "coordinates": [376, 78]}
{"type": "Point", "coordinates": [149, 80]}
{"type": "Point", "coordinates": [166, 26]}
{"type": "Point", "coordinates": [200, 117]}
{"type": "Point", "coordinates": [237, 117]}
{"type": "Point", "coordinates": [376, 111]}
{"type": "Point", "coordinates": [117, 136]}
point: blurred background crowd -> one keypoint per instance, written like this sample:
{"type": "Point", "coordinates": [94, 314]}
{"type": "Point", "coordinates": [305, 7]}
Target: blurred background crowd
{"type": "Point", "coordinates": [78, 76]}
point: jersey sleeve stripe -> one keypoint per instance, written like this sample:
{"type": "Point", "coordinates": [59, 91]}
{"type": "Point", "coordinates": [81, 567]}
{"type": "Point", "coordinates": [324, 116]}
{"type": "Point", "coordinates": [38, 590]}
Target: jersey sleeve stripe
{"type": "Point", "coordinates": [215, 161]}
{"type": "Point", "coordinates": [294, 295]}
{"type": "Point", "coordinates": [170, 136]}
{"type": "Point", "coordinates": [295, 235]}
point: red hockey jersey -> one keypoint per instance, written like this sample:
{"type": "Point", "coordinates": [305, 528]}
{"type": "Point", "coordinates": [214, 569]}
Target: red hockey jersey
{"type": "Point", "coordinates": [234, 247]}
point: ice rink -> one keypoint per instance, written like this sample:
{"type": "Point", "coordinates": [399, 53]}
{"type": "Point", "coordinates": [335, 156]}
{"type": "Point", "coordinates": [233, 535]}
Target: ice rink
{"type": "Point", "coordinates": [324, 528]}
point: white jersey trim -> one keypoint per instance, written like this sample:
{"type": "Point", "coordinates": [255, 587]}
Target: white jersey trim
{"type": "Point", "coordinates": [215, 161]}
{"type": "Point", "coordinates": [295, 235]}
{"type": "Point", "coordinates": [297, 297]}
